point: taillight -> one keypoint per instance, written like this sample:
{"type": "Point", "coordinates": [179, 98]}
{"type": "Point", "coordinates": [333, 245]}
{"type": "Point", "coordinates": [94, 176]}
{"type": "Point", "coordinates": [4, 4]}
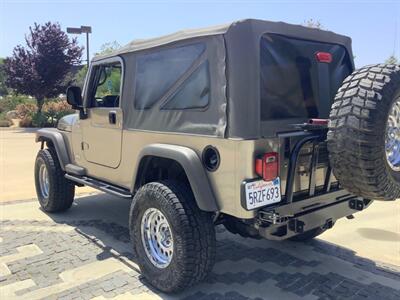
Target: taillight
{"type": "Point", "coordinates": [267, 166]}
{"type": "Point", "coordinates": [324, 57]}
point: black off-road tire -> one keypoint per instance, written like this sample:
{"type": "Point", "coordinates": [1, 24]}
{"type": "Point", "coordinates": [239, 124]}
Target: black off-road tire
{"type": "Point", "coordinates": [193, 234]}
{"type": "Point", "coordinates": [357, 131]}
{"type": "Point", "coordinates": [308, 235]}
{"type": "Point", "coordinates": [61, 191]}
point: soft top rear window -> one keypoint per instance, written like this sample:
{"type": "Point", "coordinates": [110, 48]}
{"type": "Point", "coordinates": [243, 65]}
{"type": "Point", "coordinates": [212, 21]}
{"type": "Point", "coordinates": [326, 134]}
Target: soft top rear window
{"type": "Point", "coordinates": [291, 79]}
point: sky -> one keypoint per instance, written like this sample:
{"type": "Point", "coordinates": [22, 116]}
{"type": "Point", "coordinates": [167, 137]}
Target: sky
{"type": "Point", "coordinates": [374, 26]}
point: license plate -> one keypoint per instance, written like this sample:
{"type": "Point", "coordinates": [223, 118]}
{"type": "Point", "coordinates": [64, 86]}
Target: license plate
{"type": "Point", "coordinates": [261, 193]}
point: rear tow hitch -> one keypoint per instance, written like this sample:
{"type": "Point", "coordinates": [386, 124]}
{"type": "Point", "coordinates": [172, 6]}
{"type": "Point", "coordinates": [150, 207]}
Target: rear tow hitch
{"type": "Point", "coordinates": [296, 225]}
{"type": "Point", "coordinates": [272, 217]}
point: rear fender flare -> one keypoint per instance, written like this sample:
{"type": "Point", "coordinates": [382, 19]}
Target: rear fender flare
{"type": "Point", "coordinates": [191, 164]}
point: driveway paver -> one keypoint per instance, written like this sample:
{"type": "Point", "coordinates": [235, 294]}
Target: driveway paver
{"type": "Point", "coordinates": [85, 253]}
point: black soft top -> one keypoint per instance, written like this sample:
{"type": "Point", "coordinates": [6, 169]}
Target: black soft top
{"type": "Point", "coordinates": [233, 51]}
{"type": "Point", "coordinates": [235, 30]}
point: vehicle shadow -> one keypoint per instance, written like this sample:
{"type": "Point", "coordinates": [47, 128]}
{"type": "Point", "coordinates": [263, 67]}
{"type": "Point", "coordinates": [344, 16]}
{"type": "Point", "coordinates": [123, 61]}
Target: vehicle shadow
{"type": "Point", "coordinates": [245, 268]}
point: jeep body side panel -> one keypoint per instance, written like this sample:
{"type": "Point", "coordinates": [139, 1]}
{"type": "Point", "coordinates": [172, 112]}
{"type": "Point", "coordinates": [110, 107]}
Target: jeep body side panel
{"type": "Point", "coordinates": [191, 163]}
{"type": "Point", "coordinates": [221, 182]}
{"type": "Point", "coordinates": [60, 143]}
{"type": "Point", "coordinates": [237, 164]}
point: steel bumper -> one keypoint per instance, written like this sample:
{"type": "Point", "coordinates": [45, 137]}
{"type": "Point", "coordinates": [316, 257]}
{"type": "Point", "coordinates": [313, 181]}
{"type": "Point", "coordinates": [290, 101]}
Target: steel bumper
{"type": "Point", "coordinates": [289, 220]}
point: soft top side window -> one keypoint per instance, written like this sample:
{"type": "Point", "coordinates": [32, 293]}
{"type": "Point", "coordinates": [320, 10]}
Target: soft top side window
{"type": "Point", "coordinates": [158, 72]}
{"type": "Point", "coordinates": [105, 85]}
{"type": "Point", "coordinates": [193, 93]}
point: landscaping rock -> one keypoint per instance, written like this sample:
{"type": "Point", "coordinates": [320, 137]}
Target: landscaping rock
{"type": "Point", "coordinates": [12, 114]}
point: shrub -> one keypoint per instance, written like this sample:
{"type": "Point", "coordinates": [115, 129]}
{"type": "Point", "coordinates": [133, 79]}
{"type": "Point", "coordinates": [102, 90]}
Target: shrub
{"type": "Point", "coordinates": [4, 122]}
{"type": "Point", "coordinates": [26, 122]}
{"type": "Point", "coordinates": [41, 120]}
{"type": "Point", "coordinates": [52, 111]}
{"type": "Point", "coordinates": [10, 102]}
{"type": "Point", "coordinates": [24, 110]}
{"type": "Point", "coordinates": [55, 110]}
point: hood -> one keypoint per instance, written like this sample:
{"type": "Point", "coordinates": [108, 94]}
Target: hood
{"type": "Point", "coordinates": [65, 123]}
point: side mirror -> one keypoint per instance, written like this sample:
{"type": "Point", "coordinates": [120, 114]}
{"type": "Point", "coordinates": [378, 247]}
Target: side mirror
{"type": "Point", "coordinates": [74, 97]}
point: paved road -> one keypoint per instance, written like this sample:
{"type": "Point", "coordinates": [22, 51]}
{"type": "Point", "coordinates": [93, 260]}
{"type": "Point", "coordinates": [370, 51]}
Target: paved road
{"type": "Point", "coordinates": [17, 158]}
{"type": "Point", "coordinates": [85, 253]}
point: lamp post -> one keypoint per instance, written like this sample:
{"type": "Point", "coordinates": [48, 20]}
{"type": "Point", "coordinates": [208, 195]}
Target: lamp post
{"type": "Point", "coordinates": [80, 30]}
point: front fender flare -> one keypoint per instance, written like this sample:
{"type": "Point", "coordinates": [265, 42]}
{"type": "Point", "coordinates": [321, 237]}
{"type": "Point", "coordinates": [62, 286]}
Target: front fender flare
{"type": "Point", "coordinates": [57, 140]}
{"type": "Point", "coordinates": [191, 164]}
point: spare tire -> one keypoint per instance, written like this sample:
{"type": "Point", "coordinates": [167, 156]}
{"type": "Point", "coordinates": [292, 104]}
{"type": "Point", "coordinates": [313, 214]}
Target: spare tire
{"type": "Point", "coordinates": [364, 133]}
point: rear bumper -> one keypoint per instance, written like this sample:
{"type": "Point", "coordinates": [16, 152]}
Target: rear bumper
{"type": "Point", "coordinates": [297, 217]}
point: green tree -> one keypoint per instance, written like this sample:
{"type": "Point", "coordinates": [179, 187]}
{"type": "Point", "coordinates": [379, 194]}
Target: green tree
{"type": "Point", "coordinates": [3, 88]}
{"type": "Point", "coordinates": [392, 60]}
{"type": "Point", "coordinates": [79, 79]}
{"type": "Point", "coordinates": [108, 48]}
{"type": "Point", "coordinates": [313, 23]}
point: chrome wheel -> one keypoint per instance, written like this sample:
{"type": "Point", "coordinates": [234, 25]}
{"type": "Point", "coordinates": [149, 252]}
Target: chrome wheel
{"type": "Point", "coordinates": [157, 238]}
{"type": "Point", "coordinates": [392, 143]}
{"type": "Point", "coordinates": [44, 181]}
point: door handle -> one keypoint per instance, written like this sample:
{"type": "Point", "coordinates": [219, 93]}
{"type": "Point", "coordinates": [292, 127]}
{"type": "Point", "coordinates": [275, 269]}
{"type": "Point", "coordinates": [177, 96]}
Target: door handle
{"type": "Point", "coordinates": [112, 117]}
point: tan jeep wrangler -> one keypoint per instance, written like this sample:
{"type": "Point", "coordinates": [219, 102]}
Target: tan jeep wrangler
{"type": "Point", "coordinates": [263, 127]}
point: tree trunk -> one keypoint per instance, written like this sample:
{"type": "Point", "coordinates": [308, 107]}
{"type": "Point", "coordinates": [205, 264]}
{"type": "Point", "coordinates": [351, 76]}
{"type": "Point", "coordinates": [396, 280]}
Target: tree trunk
{"type": "Point", "coordinates": [40, 102]}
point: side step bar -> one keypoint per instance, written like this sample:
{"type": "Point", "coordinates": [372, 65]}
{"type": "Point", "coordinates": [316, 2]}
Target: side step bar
{"type": "Point", "coordinates": [100, 185]}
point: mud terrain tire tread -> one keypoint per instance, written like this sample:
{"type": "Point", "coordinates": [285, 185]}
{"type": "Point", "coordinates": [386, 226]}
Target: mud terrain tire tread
{"type": "Point", "coordinates": [62, 191]}
{"type": "Point", "coordinates": [192, 227]}
{"type": "Point", "coordinates": [357, 128]}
